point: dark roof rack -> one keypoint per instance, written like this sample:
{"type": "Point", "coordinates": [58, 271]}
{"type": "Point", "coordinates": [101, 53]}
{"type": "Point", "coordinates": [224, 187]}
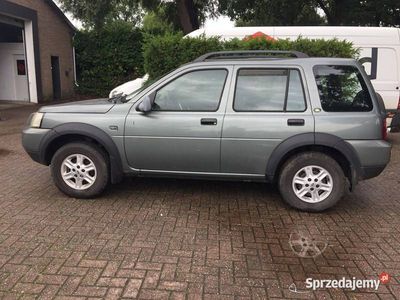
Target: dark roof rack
{"type": "Point", "coordinates": [250, 54]}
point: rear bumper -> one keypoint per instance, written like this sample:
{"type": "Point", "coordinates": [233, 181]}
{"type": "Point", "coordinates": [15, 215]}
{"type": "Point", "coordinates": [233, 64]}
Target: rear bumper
{"type": "Point", "coordinates": [374, 155]}
{"type": "Point", "coordinates": [395, 123]}
{"type": "Point", "coordinates": [371, 172]}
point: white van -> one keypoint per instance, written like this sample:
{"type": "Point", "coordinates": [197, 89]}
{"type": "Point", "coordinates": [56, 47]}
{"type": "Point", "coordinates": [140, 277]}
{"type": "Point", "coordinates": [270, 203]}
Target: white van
{"type": "Point", "coordinates": [379, 53]}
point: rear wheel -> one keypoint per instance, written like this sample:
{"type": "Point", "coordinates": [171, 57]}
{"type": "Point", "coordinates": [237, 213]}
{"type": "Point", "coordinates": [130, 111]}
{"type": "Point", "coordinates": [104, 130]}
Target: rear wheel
{"type": "Point", "coordinates": [80, 170]}
{"type": "Point", "coordinates": [312, 181]}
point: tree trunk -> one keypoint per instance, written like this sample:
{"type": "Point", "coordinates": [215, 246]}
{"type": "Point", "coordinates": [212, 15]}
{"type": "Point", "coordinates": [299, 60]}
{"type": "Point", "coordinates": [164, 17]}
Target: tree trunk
{"type": "Point", "coordinates": [187, 15]}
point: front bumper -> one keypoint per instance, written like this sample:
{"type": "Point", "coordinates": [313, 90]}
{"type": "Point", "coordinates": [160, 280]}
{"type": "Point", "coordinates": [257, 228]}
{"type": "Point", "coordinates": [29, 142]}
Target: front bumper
{"type": "Point", "coordinates": [32, 139]}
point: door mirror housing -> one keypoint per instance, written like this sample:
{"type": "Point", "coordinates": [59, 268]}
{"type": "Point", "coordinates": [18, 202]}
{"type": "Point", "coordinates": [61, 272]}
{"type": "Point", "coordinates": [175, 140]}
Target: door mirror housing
{"type": "Point", "coordinates": [147, 103]}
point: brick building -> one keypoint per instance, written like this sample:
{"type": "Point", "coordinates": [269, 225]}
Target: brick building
{"type": "Point", "coordinates": [36, 51]}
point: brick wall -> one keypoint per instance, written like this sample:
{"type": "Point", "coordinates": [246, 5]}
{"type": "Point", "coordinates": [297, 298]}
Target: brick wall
{"type": "Point", "coordinates": [55, 39]}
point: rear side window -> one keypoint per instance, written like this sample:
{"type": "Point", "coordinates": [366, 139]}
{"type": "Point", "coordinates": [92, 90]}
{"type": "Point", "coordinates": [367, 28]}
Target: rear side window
{"type": "Point", "coordinates": [342, 89]}
{"type": "Point", "coordinates": [272, 90]}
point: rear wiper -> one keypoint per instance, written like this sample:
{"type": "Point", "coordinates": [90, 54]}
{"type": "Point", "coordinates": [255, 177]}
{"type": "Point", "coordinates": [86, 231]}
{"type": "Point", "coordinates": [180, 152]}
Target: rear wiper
{"type": "Point", "coordinates": [121, 97]}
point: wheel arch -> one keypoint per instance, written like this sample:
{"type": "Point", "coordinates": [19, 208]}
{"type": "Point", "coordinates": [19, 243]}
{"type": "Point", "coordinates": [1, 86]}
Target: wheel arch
{"type": "Point", "coordinates": [75, 132]}
{"type": "Point", "coordinates": [329, 144]}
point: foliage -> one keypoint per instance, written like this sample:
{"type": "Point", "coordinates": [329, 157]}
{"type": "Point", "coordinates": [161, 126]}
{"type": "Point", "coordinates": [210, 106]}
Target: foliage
{"type": "Point", "coordinates": [108, 58]}
{"type": "Point", "coordinates": [165, 53]}
{"type": "Point", "coordinates": [304, 12]}
{"type": "Point", "coordinates": [187, 15]}
{"type": "Point", "coordinates": [271, 12]}
{"type": "Point", "coordinates": [95, 14]}
{"type": "Point", "coordinates": [156, 22]}
{"type": "Point", "coordinates": [364, 13]}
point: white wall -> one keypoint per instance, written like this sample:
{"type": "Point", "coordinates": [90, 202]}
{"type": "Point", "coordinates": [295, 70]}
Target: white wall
{"type": "Point", "coordinates": [7, 69]}
{"type": "Point", "coordinates": [30, 58]}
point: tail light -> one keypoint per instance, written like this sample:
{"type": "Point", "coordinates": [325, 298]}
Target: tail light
{"type": "Point", "coordinates": [384, 129]}
{"type": "Point", "coordinates": [398, 104]}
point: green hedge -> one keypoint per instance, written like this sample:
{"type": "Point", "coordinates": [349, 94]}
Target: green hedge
{"type": "Point", "coordinates": [108, 58]}
{"type": "Point", "coordinates": [165, 53]}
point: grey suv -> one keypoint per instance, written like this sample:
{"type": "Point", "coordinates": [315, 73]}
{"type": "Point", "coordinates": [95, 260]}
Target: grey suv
{"type": "Point", "coordinates": [314, 126]}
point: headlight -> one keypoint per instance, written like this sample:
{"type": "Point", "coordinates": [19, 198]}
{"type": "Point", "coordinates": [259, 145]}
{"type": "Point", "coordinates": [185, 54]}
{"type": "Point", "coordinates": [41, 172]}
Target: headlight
{"type": "Point", "coordinates": [36, 120]}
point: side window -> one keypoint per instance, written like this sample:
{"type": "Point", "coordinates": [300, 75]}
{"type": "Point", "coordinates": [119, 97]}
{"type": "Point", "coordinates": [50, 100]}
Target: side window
{"type": "Point", "coordinates": [274, 90]}
{"type": "Point", "coordinates": [295, 97]}
{"type": "Point", "coordinates": [342, 89]}
{"type": "Point", "coordinates": [195, 91]}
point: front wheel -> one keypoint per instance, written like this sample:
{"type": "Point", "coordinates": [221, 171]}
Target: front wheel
{"type": "Point", "coordinates": [80, 170]}
{"type": "Point", "coordinates": [312, 181]}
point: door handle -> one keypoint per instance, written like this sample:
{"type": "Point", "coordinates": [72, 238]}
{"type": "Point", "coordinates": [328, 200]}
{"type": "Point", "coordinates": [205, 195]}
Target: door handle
{"type": "Point", "coordinates": [295, 122]}
{"type": "Point", "coordinates": [208, 121]}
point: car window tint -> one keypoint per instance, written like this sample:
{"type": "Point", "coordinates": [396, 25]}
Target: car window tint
{"type": "Point", "coordinates": [342, 89]}
{"type": "Point", "coordinates": [195, 91]}
{"type": "Point", "coordinates": [260, 90]}
{"type": "Point", "coordinates": [269, 90]}
{"type": "Point", "coordinates": [295, 98]}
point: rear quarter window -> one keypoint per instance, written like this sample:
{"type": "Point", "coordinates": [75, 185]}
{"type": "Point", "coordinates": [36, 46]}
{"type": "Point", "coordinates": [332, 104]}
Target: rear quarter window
{"type": "Point", "coordinates": [342, 89]}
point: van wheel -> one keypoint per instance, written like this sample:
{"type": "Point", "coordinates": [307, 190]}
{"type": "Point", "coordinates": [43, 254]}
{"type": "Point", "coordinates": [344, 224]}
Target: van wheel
{"type": "Point", "coordinates": [312, 181]}
{"type": "Point", "coordinates": [80, 170]}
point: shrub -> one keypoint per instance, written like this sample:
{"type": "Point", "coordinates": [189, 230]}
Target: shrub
{"type": "Point", "coordinates": [108, 58]}
{"type": "Point", "coordinates": [162, 54]}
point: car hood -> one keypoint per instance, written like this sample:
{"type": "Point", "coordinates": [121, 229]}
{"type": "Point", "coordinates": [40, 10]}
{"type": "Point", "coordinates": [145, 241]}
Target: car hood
{"type": "Point", "coordinates": [95, 106]}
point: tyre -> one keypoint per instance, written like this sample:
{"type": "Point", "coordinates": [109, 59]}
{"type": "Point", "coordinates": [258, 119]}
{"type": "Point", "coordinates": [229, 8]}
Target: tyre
{"type": "Point", "coordinates": [80, 170]}
{"type": "Point", "coordinates": [312, 181]}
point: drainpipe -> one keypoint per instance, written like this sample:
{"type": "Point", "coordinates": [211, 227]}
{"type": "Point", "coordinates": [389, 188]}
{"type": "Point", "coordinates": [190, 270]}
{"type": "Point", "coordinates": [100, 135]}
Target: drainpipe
{"type": "Point", "coordinates": [74, 59]}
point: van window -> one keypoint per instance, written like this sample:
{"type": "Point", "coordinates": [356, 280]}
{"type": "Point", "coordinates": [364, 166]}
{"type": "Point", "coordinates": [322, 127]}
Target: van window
{"type": "Point", "coordinates": [272, 90]}
{"type": "Point", "coordinates": [342, 89]}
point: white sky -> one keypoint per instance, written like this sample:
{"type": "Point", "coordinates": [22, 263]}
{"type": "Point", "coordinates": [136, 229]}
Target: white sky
{"type": "Point", "coordinates": [221, 22]}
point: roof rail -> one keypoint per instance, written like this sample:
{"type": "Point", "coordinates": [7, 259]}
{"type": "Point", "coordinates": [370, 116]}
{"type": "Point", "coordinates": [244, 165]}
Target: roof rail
{"type": "Point", "coordinates": [249, 54]}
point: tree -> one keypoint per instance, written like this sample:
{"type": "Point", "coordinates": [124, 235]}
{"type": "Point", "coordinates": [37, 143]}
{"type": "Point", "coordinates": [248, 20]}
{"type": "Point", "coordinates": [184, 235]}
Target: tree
{"type": "Point", "coordinates": [188, 15]}
{"type": "Point", "coordinates": [364, 13]}
{"type": "Point", "coordinates": [156, 22]}
{"type": "Point", "coordinates": [95, 14]}
{"type": "Point", "coordinates": [313, 12]}
{"type": "Point", "coordinates": [270, 12]}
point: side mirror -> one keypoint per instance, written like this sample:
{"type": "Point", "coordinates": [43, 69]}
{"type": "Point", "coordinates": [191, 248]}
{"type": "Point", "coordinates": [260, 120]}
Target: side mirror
{"type": "Point", "coordinates": [147, 103]}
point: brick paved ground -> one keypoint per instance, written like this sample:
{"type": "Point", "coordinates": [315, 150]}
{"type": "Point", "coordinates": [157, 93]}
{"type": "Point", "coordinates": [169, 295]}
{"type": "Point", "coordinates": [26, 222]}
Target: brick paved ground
{"type": "Point", "coordinates": [153, 238]}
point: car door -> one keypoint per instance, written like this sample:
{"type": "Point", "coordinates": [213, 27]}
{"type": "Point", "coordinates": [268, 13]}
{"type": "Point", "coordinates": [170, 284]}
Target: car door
{"type": "Point", "coordinates": [182, 133]}
{"type": "Point", "coordinates": [268, 106]}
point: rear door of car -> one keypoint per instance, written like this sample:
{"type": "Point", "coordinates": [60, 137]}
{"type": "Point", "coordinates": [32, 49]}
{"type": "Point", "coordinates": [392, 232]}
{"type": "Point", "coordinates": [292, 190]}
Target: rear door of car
{"type": "Point", "coordinates": [267, 105]}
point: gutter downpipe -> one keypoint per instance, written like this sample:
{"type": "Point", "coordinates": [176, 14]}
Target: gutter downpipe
{"type": "Point", "coordinates": [74, 60]}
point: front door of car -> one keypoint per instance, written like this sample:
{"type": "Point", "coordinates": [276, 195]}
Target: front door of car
{"type": "Point", "coordinates": [182, 132]}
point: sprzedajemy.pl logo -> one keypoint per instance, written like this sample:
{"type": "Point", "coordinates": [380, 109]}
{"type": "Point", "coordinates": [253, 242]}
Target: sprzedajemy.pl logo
{"type": "Point", "coordinates": [347, 283]}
